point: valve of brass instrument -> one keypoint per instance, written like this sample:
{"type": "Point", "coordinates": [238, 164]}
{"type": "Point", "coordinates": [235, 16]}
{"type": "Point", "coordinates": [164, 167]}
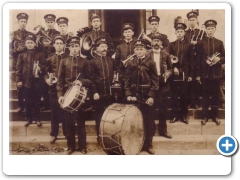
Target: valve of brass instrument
{"type": "Point", "coordinates": [36, 69]}
{"type": "Point", "coordinates": [116, 81]}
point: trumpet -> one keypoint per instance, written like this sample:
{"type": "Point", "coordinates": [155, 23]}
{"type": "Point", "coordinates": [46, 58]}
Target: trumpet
{"type": "Point", "coordinates": [52, 77]}
{"type": "Point", "coordinates": [35, 69]}
{"type": "Point", "coordinates": [144, 36]}
{"type": "Point", "coordinates": [174, 59]}
{"type": "Point", "coordinates": [210, 59]}
{"type": "Point", "coordinates": [129, 58]}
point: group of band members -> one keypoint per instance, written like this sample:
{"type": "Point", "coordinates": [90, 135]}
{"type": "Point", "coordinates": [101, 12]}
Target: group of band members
{"type": "Point", "coordinates": [150, 69]}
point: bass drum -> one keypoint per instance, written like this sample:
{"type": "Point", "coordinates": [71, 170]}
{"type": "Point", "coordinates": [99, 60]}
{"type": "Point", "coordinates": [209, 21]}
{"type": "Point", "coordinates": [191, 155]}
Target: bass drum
{"type": "Point", "coordinates": [122, 130]}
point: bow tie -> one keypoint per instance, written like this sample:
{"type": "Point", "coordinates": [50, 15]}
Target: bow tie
{"type": "Point", "coordinates": [156, 51]}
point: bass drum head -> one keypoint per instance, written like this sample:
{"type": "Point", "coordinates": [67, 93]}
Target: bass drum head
{"type": "Point", "coordinates": [70, 96]}
{"type": "Point", "coordinates": [132, 134]}
{"type": "Point", "coordinates": [122, 130]}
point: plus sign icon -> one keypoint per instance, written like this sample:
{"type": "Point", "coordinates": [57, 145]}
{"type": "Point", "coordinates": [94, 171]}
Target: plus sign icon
{"type": "Point", "coordinates": [227, 145]}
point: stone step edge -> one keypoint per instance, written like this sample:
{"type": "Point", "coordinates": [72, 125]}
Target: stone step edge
{"type": "Point", "coordinates": [92, 122]}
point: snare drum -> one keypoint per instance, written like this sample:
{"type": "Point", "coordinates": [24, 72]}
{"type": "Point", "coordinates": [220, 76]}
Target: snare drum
{"type": "Point", "coordinates": [74, 97]}
{"type": "Point", "coordinates": [122, 130]}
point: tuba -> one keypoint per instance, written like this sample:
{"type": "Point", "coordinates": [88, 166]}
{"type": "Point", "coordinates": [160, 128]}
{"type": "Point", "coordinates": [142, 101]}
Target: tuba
{"type": "Point", "coordinates": [39, 32]}
{"type": "Point", "coordinates": [17, 42]}
{"type": "Point", "coordinates": [88, 48]}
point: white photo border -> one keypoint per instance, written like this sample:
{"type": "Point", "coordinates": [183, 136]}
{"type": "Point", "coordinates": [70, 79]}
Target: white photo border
{"type": "Point", "coordinates": [115, 165]}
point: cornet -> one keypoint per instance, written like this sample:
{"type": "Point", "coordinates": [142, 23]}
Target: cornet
{"type": "Point", "coordinates": [53, 79]}
{"type": "Point", "coordinates": [35, 69]}
{"type": "Point", "coordinates": [210, 59]}
{"type": "Point", "coordinates": [129, 58]}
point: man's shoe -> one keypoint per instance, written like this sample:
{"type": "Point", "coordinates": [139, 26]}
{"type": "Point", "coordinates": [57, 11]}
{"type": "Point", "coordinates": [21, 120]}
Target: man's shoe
{"type": "Point", "coordinates": [39, 123]}
{"type": "Point", "coordinates": [185, 120]}
{"type": "Point", "coordinates": [204, 121]}
{"type": "Point", "coordinates": [83, 151]}
{"type": "Point", "coordinates": [70, 151]}
{"type": "Point", "coordinates": [150, 150]}
{"type": "Point", "coordinates": [166, 135]}
{"type": "Point", "coordinates": [53, 139]}
{"type": "Point", "coordinates": [173, 120]}
{"type": "Point", "coordinates": [217, 121]}
{"type": "Point", "coordinates": [28, 123]}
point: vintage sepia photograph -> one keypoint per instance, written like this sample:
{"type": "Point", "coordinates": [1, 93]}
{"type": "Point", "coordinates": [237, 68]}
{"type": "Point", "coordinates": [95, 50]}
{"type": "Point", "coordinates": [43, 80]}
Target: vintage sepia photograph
{"type": "Point", "coordinates": [116, 81]}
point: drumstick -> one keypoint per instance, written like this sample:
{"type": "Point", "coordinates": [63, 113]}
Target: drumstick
{"type": "Point", "coordinates": [78, 76]}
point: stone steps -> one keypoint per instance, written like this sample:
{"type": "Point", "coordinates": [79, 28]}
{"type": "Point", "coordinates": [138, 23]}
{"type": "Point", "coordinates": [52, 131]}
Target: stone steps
{"type": "Point", "coordinates": [46, 115]}
{"type": "Point", "coordinates": [17, 128]}
{"type": "Point", "coordinates": [179, 142]}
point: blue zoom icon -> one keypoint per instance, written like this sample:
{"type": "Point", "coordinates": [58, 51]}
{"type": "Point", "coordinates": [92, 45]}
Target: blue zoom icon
{"type": "Point", "coordinates": [227, 145]}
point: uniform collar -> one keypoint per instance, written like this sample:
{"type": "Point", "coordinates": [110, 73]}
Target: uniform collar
{"type": "Point", "coordinates": [181, 40]}
{"type": "Point", "coordinates": [60, 53]}
{"type": "Point", "coordinates": [193, 29]}
{"type": "Point", "coordinates": [72, 56]}
{"type": "Point", "coordinates": [96, 30]}
{"type": "Point", "coordinates": [128, 41]}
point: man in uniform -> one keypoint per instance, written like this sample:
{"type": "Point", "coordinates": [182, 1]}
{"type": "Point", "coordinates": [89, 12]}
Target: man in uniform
{"type": "Point", "coordinates": [74, 70]}
{"type": "Point", "coordinates": [50, 23]}
{"type": "Point", "coordinates": [154, 24]}
{"type": "Point", "coordinates": [49, 51]}
{"type": "Point", "coordinates": [141, 85]}
{"type": "Point", "coordinates": [182, 73]}
{"type": "Point", "coordinates": [63, 28]}
{"type": "Point", "coordinates": [102, 72]}
{"type": "Point", "coordinates": [125, 49]}
{"type": "Point", "coordinates": [52, 66]}
{"type": "Point", "coordinates": [193, 35]}
{"type": "Point", "coordinates": [96, 32]}
{"type": "Point", "coordinates": [164, 70]}
{"type": "Point", "coordinates": [29, 71]}
{"type": "Point", "coordinates": [15, 51]}
{"type": "Point", "coordinates": [211, 59]}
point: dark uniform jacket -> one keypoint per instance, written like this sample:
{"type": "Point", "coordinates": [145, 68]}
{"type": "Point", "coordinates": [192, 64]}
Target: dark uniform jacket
{"type": "Point", "coordinates": [195, 35]}
{"type": "Point", "coordinates": [69, 70]}
{"type": "Point", "coordinates": [209, 46]}
{"type": "Point", "coordinates": [165, 43]}
{"type": "Point", "coordinates": [21, 34]}
{"type": "Point", "coordinates": [25, 63]}
{"type": "Point", "coordinates": [102, 71]}
{"type": "Point", "coordinates": [52, 66]}
{"type": "Point", "coordinates": [141, 78]}
{"type": "Point", "coordinates": [124, 50]}
{"type": "Point", "coordinates": [96, 34]}
{"type": "Point", "coordinates": [181, 49]}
